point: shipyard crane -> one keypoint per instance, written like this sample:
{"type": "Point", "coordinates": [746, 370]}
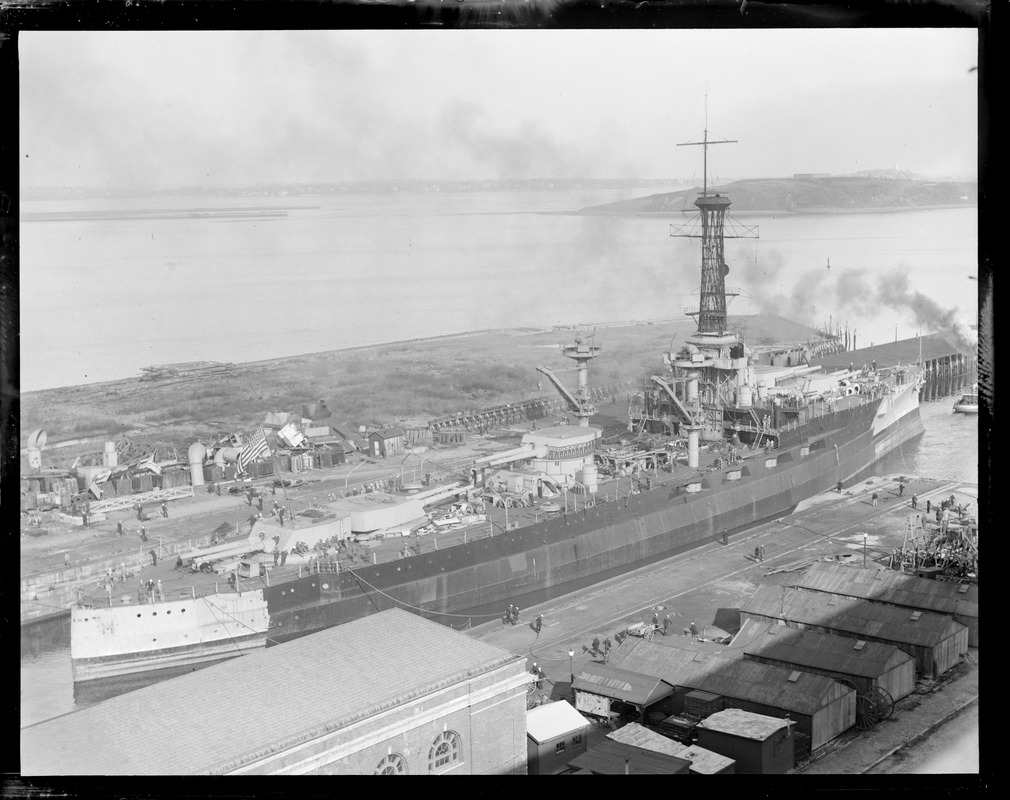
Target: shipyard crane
{"type": "Point", "coordinates": [687, 416]}
{"type": "Point", "coordinates": [582, 352]}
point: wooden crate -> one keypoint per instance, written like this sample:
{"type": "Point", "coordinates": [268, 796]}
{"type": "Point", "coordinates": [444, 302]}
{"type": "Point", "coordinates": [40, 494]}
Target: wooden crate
{"type": "Point", "coordinates": [702, 704]}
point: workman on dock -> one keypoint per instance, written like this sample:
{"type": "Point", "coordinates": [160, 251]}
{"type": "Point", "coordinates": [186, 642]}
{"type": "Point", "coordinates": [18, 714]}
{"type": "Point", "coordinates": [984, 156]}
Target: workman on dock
{"type": "Point", "coordinates": [119, 528]}
{"type": "Point", "coordinates": [915, 501]}
{"type": "Point", "coordinates": [901, 489]}
{"type": "Point", "coordinates": [838, 487]}
{"type": "Point", "coordinates": [164, 509]}
{"type": "Point", "coordinates": [538, 624]}
{"type": "Point", "coordinates": [667, 622]}
{"type": "Point", "coordinates": [927, 505]}
{"type": "Point", "coordinates": [873, 500]}
{"type": "Point", "coordinates": [143, 533]}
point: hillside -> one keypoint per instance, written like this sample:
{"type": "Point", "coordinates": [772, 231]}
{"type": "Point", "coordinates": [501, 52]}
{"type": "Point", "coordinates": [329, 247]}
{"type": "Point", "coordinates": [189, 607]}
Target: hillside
{"type": "Point", "coordinates": [807, 195]}
{"type": "Point", "coordinates": [400, 383]}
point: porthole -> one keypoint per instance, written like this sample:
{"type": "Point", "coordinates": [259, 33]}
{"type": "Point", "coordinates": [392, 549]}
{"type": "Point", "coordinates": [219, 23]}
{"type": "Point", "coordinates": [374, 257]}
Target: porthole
{"type": "Point", "coordinates": [169, 611]}
{"type": "Point", "coordinates": [138, 617]}
{"type": "Point", "coordinates": [183, 611]}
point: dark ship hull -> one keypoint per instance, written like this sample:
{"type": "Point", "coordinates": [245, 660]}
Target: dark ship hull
{"type": "Point", "coordinates": [469, 584]}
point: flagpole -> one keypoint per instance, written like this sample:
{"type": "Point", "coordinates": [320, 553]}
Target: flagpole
{"type": "Point", "coordinates": [277, 472]}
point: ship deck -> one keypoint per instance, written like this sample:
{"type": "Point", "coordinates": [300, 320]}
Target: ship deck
{"type": "Point", "coordinates": [182, 583]}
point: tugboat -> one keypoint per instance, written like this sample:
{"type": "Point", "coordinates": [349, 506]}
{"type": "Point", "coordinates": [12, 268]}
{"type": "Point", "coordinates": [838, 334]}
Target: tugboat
{"type": "Point", "coordinates": [967, 403]}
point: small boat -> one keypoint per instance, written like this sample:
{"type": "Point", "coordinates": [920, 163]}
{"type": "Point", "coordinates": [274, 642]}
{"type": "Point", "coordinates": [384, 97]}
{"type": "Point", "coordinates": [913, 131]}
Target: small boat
{"type": "Point", "coordinates": [968, 403]}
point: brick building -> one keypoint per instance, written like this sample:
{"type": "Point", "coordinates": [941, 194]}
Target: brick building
{"type": "Point", "coordinates": [391, 693]}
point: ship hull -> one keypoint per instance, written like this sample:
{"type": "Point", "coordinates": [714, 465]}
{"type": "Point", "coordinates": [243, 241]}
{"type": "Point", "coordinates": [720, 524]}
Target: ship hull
{"type": "Point", "coordinates": [469, 584]}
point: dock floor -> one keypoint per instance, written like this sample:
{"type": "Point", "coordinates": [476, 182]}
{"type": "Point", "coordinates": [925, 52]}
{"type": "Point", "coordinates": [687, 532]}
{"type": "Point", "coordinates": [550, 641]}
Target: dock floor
{"type": "Point", "coordinates": [707, 587]}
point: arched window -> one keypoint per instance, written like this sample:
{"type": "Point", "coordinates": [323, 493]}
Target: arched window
{"type": "Point", "coordinates": [393, 764]}
{"type": "Point", "coordinates": [444, 752]}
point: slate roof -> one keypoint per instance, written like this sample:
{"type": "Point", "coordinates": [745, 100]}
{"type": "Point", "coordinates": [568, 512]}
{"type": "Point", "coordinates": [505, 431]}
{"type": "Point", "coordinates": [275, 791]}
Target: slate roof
{"type": "Point", "coordinates": [852, 616]}
{"type": "Point", "coordinates": [222, 716]}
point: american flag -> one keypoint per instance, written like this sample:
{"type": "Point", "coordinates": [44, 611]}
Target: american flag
{"type": "Point", "coordinates": [256, 448]}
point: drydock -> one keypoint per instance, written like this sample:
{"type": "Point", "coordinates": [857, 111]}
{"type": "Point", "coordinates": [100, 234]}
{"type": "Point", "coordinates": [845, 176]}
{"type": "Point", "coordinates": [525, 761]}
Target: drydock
{"type": "Point", "coordinates": [719, 439]}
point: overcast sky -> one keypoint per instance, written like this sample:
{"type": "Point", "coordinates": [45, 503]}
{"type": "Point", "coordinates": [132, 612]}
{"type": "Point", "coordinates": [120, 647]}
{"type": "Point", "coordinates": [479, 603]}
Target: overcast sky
{"type": "Point", "coordinates": [160, 110]}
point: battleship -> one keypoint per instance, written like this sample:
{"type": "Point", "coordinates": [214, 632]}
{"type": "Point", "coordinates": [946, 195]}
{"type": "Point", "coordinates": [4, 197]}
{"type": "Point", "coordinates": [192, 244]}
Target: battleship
{"type": "Point", "coordinates": [721, 438]}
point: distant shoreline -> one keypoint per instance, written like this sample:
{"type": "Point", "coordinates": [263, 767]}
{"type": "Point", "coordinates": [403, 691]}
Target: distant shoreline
{"type": "Point", "coordinates": [764, 212]}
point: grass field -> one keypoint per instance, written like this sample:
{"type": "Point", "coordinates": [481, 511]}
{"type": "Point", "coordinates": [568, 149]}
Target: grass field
{"type": "Point", "coordinates": [403, 383]}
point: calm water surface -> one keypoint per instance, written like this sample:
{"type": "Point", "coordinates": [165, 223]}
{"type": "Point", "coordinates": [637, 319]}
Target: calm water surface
{"type": "Point", "coordinates": [103, 297]}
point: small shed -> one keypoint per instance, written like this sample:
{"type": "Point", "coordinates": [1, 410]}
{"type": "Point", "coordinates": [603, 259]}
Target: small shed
{"type": "Point", "coordinates": [759, 744]}
{"type": "Point", "coordinates": [555, 733]}
{"type": "Point", "coordinates": [617, 758]}
{"type": "Point", "coordinates": [707, 762]}
{"type": "Point", "coordinates": [937, 641]}
{"type": "Point", "coordinates": [822, 707]}
{"type": "Point", "coordinates": [386, 442]}
{"type": "Point", "coordinates": [866, 665]}
{"type": "Point", "coordinates": [610, 692]}
{"type": "Point", "coordinates": [959, 600]}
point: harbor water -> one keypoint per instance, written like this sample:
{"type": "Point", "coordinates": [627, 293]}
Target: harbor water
{"type": "Point", "coordinates": [109, 287]}
{"type": "Point", "coordinates": [948, 449]}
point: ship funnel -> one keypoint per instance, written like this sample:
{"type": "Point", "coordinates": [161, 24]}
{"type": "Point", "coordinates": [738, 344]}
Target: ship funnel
{"type": "Point", "coordinates": [197, 453]}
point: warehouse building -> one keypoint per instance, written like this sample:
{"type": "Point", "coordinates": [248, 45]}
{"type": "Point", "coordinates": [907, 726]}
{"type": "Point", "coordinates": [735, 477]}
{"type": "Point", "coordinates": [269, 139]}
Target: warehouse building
{"type": "Point", "coordinates": [866, 665]}
{"type": "Point", "coordinates": [609, 692]}
{"type": "Point", "coordinates": [959, 600]}
{"type": "Point", "coordinates": [391, 693]}
{"type": "Point", "coordinates": [936, 641]}
{"type": "Point", "coordinates": [821, 707]}
{"type": "Point", "coordinates": [759, 744]}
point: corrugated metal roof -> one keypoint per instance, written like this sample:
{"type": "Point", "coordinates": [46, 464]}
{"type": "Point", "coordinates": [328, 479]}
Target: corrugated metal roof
{"type": "Point", "coordinates": [904, 351]}
{"type": "Point", "coordinates": [552, 720]}
{"type": "Point", "coordinates": [608, 758]}
{"type": "Point", "coordinates": [730, 677]}
{"type": "Point", "coordinates": [621, 684]}
{"type": "Point", "coordinates": [743, 723]}
{"type": "Point", "coordinates": [640, 736]}
{"type": "Point", "coordinates": [824, 651]}
{"type": "Point", "coordinates": [223, 716]}
{"type": "Point", "coordinates": [896, 588]}
{"type": "Point", "coordinates": [851, 615]}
